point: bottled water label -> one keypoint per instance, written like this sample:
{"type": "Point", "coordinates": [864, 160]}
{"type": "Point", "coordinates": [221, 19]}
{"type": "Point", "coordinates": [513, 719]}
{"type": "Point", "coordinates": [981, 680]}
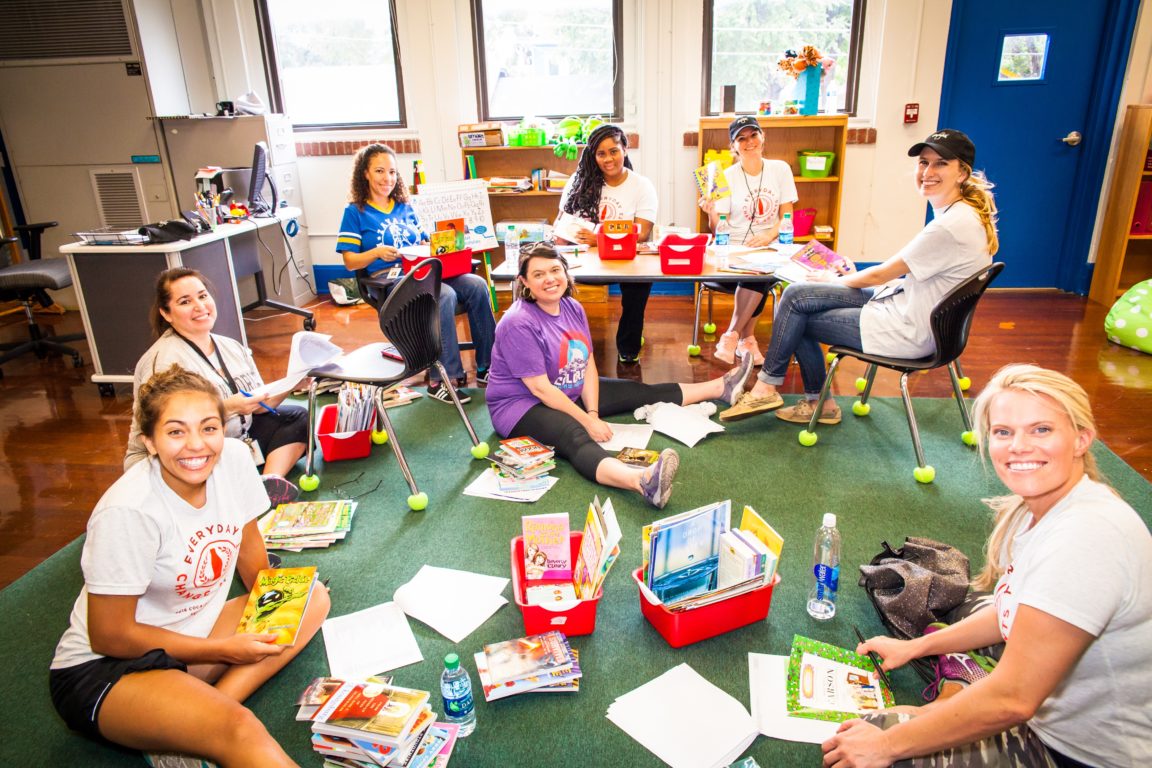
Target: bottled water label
{"type": "Point", "coordinates": [458, 706]}
{"type": "Point", "coordinates": [827, 581]}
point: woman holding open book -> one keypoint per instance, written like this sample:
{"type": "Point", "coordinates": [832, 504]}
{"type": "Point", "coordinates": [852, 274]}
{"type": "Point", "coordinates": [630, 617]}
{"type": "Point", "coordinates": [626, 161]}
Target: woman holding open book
{"type": "Point", "coordinates": [152, 659]}
{"type": "Point", "coordinates": [1070, 567]}
{"type": "Point", "coordinates": [545, 383]}
{"type": "Point", "coordinates": [885, 309]}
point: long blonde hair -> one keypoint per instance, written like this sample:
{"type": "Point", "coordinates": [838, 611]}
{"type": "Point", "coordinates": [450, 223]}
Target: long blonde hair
{"type": "Point", "coordinates": [976, 191]}
{"type": "Point", "coordinates": [1011, 510]}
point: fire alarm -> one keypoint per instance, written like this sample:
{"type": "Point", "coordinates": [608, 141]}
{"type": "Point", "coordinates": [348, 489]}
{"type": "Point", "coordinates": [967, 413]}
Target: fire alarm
{"type": "Point", "coordinates": [911, 113]}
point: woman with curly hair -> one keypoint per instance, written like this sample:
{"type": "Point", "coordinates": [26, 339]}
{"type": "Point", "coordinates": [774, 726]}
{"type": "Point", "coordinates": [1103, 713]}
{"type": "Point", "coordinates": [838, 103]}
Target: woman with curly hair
{"type": "Point", "coordinates": [605, 188]}
{"type": "Point", "coordinates": [378, 221]}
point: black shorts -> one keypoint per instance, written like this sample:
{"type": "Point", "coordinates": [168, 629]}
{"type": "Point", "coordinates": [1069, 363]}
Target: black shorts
{"type": "Point", "coordinates": [78, 692]}
{"type": "Point", "coordinates": [274, 430]}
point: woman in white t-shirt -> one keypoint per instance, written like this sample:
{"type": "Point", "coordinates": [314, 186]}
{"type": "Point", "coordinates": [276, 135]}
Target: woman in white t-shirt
{"type": "Point", "coordinates": [885, 309]}
{"type": "Point", "coordinates": [761, 192]}
{"type": "Point", "coordinates": [604, 187]}
{"type": "Point", "coordinates": [151, 659]}
{"type": "Point", "coordinates": [1070, 567]}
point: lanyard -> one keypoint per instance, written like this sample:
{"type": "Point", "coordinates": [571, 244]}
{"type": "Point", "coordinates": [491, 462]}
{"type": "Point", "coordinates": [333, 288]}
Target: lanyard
{"type": "Point", "coordinates": [219, 358]}
{"type": "Point", "coordinates": [753, 198]}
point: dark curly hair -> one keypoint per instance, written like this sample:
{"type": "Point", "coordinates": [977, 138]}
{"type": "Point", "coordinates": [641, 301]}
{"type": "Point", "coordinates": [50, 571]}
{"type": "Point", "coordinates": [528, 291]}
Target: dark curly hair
{"type": "Point", "coordinates": [588, 181]}
{"type": "Point", "coordinates": [359, 192]}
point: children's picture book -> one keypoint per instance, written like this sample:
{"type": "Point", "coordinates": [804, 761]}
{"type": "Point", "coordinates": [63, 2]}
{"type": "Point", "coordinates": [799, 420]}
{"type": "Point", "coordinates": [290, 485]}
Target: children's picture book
{"type": "Point", "coordinates": [599, 548]}
{"type": "Point", "coordinates": [450, 731]}
{"type": "Point", "coordinates": [526, 449]}
{"type": "Point", "coordinates": [638, 457]}
{"type": "Point", "coordinates": [528, 656]}
{"type": "Point", "coordinates": [363, 709]}
{"type": "Point", "coordinates": [685, 551]}
{"type": "Point", "coordinates": [302, 518]}
{"type": "Point", "coordinates": [826, 682]}
{"type": "Point", "coordinates": [277, 602]}
{"type": "Point", "coordinates": [753, 523]}
{"type": "Point", "coordinates": [552, 593]}
{"type": "Point", "coordinates": [443, 242]}
{"type": "Point", "coordinates": [547, 553]}
{"type": "Point", "coordinates": [711, 182]}
{"type": "Point", "coordinates": [561, 681]}
{"type": "Point", "coordinates": [812, 256]}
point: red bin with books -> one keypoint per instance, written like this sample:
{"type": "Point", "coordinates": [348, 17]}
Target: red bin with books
{"type": "Point", "coordinates": [338, 446]}
{"type": "Point", "coordinates": [682, 628]}
{"type": "Point", "coordinates": [683, 254]}
{"type": "Point", "coordinates": [571, 619]}
{"type": "Point", "coordinates": [616, 240]}
{"type": "Point", "coordinates": [453, 264]}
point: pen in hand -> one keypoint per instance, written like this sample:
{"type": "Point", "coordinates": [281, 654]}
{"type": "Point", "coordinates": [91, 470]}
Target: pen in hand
{"type": "Point", "coordinates": [263, 405]}
{"type": "Point", "coordinates": [875, 659]}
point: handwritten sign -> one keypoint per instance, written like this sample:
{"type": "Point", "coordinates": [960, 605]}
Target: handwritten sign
{"type": "Point", "coordinates": [466, 200]}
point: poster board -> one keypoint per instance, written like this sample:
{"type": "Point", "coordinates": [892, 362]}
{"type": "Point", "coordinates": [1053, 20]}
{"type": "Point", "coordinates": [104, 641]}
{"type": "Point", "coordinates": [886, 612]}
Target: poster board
{"type": "Point", "coordinates": [466, 199]}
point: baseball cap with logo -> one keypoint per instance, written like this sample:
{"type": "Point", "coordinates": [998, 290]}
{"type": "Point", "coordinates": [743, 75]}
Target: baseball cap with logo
{"type": "Point", "coordinates": [949, 144]}
{"type": "Point", "coordinates": [740, 123]}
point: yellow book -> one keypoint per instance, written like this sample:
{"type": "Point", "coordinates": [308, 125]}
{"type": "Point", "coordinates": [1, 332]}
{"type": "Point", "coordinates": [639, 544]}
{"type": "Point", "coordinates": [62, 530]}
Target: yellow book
{"type": "Point", "coordinates": [277, 603]}
{"type": "Point", "coordinates": [751, 522]}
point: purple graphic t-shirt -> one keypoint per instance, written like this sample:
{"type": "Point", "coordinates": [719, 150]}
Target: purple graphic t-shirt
{"type": "Point", "coordinates": [531, 342]}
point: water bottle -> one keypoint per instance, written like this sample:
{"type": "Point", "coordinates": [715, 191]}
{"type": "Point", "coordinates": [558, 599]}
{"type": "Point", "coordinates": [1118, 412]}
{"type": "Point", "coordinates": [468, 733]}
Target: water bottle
{"type": "Point", "coordinates": [720, 244]}
{"type": "Point", "coordinates": [826, 570]}
{"type": "Point", "coordinates": [785, 236]}
{"type": "Point", "coordinates": [512, 245]}
{"type": "Point", "coordinates": [456, 688]}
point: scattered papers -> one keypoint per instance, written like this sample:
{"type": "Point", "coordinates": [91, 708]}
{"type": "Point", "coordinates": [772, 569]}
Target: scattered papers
{"type": "Point", "coordinates": [487, 486]}
{"type": "Point", "coordinates": [688, 425]}
{"type": "Point", "coordinates": [685, 720]}
{"type": "Point", "coordinates": [627, 436]}
{"type": "Point", "coordinates": [452, 602]}
{"type": "Point", "coordinates": [309, 350]}
{"type": "Point", "coordinates": [369, 642]}
{"type": "Point", "coordinates": [767, 684]}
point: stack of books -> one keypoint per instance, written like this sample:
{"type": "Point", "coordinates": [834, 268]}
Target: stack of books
{"type": "Point", "coordinates": [509, 184]}
{"type": "Point", "coordinates": [535, 664]}
{"type": "Point", "coordinates": [307, 524]}
{"type": "Point", "coordinates": [522, 464]}
{"type": "Point", "coordinates": [372, 723]}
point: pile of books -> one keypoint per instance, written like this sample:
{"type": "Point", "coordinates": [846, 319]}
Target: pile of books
{"type": "Point", "coordinates": [697, 558]}
{"type": "Point", "coordinates": [307, 524]}
{"type": "Point", "coordinates": [509, 184]}
{"type": "Point", "coordinates": [538, 664]}
{"type": "Point", "coordinates": [522, 464]}
{"type": "Point", "coordinates": [371, 723]}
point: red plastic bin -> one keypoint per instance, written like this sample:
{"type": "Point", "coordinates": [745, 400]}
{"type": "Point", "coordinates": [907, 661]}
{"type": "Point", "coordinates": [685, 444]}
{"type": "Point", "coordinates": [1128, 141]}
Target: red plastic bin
{"type": "Point", "coordinates": [683, 255]}
{"type": "Point", "coordinates": [613, 247]}
{"type": "Point", "coordinates": [576, 620]}
{"type": "Point", "coordinates": [454, 264]}
{"type": "Point", "coordinates": [338, 446]}
{"type": "Point", "coordinates": [682, 628]}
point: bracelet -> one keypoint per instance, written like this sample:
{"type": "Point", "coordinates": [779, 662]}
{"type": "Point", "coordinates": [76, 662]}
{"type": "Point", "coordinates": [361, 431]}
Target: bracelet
{"type": "Point", "coordinates": [593, 410]}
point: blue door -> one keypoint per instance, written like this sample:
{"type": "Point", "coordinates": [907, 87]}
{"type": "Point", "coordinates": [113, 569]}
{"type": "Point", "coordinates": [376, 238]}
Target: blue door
{"type": "Point", "coordinates": [1035, 84]}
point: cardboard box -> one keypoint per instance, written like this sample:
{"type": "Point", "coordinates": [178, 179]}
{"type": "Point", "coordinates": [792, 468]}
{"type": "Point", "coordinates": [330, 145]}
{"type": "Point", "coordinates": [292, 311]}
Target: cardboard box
{"type": "Point", "coordinates": [490, 134]}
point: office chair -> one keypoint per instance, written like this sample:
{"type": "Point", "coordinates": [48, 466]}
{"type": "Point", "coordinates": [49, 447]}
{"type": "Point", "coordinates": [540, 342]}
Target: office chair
{"type": "Point", "coordinates": [30, 281]}
{"type": "Point", "coordinates": [410, 320]}
{"type": "Point", "coordinates": [372, 287]}
{"type": "Point", "coordinates": [951, 322]}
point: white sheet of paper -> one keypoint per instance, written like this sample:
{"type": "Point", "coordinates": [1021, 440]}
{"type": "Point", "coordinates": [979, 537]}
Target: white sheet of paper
{"type": "Point", "coordinates": [628, 436]}
{"type": "Point", "coordinates": [687, 425]}
{"type": "Point", "coordinates": [369, 642]}
{"type": "Point", "coordinates": [452, 602]}
{"type": "Point", "coordinates": [487, 486]}
{"type": "Point", "coordinates": [685, 720]}
{"type": "Point", "coordinates": [767, 685]}
{"type": "Point", "coordinates": [568, 226]}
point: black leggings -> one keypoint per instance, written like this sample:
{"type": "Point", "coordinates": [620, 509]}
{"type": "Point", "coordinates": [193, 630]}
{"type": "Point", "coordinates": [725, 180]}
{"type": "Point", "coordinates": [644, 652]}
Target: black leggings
{"type": "Point", "coordinates": [568, 436]}
{"type": "Point", "coordinates": [274, 430]}
{"type": "Point", "coordinates": [630, 329]}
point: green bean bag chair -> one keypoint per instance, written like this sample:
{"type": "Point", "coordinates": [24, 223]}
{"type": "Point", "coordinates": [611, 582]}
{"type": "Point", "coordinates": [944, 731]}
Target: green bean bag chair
{"type": "Point", "coordinates": [1129, 322]}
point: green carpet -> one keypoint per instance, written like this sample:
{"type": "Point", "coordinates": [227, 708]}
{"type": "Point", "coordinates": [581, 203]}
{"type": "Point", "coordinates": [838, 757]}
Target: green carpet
{"type": "Point", "coordinates": [861, 470]}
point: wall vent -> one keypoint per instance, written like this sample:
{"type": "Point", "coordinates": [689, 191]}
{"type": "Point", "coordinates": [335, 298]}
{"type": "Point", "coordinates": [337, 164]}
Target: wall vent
{"type": "Point", "coordinates": [63, 29]}
{"type": "Point", "coordinates": [119, 197]}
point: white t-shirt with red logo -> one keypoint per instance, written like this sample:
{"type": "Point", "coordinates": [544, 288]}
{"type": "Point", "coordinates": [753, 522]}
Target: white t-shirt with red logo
{"type": "Point", "coordinates": [754, 205]}
{"type": "Point", "coordinates": [145, 540]}
{"type": "Point", "coordinates": [634, 198]}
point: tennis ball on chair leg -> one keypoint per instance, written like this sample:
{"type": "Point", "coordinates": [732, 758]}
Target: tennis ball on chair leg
{"type": "Point", "coordinates": [693, 350]}
{"type": "Point", "coordinates": [309, 482]}
{"type": "Point", "coordinates": [861, 409]}
{"type": "Point", "coordinates": [480, 450]}
{"type": "Point", "coordinates": [418, 502]}
{"type": "Point", "coordinates": [379, 437]}
{"type": "Point", "coordinates": [968, 437]}
{"type": "Point", "coordinates": [808, 439]}
{"type": "Point", "coordinates": [709, 327]}
{"type": "Point", "coordinates": [925, 474]}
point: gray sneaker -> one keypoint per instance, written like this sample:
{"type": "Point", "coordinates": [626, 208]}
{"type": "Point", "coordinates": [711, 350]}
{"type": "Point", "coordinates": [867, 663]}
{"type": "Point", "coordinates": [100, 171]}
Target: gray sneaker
{"type": "Point", "coordinates": [657, 487]}
{"type": "Point", "coordinates": [173, 760]}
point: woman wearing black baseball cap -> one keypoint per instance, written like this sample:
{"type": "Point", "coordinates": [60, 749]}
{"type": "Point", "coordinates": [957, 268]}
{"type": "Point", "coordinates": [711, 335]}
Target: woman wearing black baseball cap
{"type": "Point", "coordinates": [884, 309]}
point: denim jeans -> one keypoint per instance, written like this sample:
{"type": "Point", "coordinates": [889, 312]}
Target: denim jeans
{"type": "Point", "coordinates": [471, 292]}
{"type": "Point", "coordinates": [807, 315]}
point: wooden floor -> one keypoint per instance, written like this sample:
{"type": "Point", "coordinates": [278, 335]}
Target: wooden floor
{"type": "Point", "coordinates": [63, 444]}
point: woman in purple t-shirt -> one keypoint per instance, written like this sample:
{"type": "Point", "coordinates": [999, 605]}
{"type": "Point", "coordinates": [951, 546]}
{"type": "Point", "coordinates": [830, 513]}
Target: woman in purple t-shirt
{"type": "Point", "coordinates": [544, 383]}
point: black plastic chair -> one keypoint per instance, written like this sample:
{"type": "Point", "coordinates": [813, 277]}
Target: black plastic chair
{"type": "Point", "coordinates": [30, 281]}
{"type": "Point", "coordinates": [951, 322]}
{"type": "Point", "coordinates": [372, 287]}
{"type": "Point", "coordinates": [410, 320]}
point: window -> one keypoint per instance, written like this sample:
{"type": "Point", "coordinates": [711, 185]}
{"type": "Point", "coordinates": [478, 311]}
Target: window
{"type": "Point", "coordinates": [547, 59]}
{"type": "Point", "coordinates": [334, 63]}
{"type": "Point", "coordinates": [744, 40]}
{"type": "Point", "coordinates": [1022, 58]}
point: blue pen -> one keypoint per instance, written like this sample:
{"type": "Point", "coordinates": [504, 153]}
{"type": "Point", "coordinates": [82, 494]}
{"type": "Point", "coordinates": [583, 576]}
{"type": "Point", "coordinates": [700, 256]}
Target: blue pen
{"type": "Point", "coordinates": [263, 405]}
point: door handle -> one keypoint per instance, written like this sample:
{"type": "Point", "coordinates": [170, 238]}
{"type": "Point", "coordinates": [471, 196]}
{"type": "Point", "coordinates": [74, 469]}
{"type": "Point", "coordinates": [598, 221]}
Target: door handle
{"type": "Point", "coordinates": [1073, 138]}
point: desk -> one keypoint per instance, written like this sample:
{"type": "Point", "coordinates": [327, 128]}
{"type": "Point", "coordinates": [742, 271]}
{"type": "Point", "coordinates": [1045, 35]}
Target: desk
{"type": "Point", "coordinates": [116, 284]}
{"type": "Point", "coordinates": [645, 268]}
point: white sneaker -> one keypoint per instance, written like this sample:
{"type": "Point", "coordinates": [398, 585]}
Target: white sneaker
{"type": "Point", "coordinates": [748, 344]}
{"type": "Point", "coordinates": [726, 347]}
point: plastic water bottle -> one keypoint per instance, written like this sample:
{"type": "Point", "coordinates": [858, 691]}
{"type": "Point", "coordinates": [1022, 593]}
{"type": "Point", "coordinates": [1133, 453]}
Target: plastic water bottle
{"type": "Point", "coordinates": [721, 242]}
{"type": "Point", "coordinates": [826, 570]}
{"type": "Point", "coordinates": [456, 688]}
{"type": "Point", "coordinates": [785, 236]}
{"type": "Point", "coordinates": [512, 244]}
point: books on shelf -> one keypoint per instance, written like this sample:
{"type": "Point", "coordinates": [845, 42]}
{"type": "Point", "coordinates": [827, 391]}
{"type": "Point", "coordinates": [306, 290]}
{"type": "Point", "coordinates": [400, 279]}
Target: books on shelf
{"type": "Point", "coordinates": [599, 548]}
{"type": "Point", "coordinates": [826, 682]}
{"type": "Point", "coordinates": [560, 681]}
{"type": "Point", "coordinates": [529, 656]}
{"type": "Point", "coordinates": [277, 603]}
{"type": "Point", "coordinates": [547, 553]}
{"type": "Point", "coordinates": [509, 184]}
{"type": "Point", "coordinates": [374, 710]}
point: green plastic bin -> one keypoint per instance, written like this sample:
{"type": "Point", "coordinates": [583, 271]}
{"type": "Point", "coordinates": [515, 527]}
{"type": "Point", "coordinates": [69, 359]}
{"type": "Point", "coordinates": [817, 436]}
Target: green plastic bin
{"type": "Point", "coordinates": [815, 164]}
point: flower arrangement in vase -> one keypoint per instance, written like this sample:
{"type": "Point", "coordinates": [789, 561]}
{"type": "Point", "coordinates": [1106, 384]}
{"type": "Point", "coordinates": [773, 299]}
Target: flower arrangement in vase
{"type": "Point", "coordinates": [809, 68]}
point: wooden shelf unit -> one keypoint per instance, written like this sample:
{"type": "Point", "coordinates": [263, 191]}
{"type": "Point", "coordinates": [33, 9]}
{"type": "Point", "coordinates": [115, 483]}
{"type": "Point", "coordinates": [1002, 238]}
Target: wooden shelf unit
{"type": "Point", "coordinates": [784, 136]}
{"type": "Point", "coordinates": [1124, 259]}
{"type": "Point", "coordinates": [518, 161]}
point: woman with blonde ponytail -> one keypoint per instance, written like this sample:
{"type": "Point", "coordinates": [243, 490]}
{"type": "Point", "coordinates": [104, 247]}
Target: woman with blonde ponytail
{"type": "Point", "coordinates": [1070, 567]}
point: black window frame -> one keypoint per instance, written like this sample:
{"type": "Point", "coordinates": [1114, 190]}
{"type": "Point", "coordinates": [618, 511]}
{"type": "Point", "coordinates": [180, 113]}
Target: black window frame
{"type": "Point", "coordinates": [276, 90]}
{"type": "Point", "coordinates": [856, 40]}
{"type": "Point", "coordinates": [477, 10]}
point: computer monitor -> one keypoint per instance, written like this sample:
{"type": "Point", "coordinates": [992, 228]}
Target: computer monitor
{"type": "Point", "coordinates": [257, 205]}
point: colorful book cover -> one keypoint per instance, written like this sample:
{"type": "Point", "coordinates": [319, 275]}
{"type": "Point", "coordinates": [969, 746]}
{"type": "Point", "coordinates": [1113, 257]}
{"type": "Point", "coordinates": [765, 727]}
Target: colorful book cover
{"type": "Point", "coordinates": [685, 552]}
{"type": "Point", "coordinates": [386, 712]}
{"type": "Point", "coordinates": [826, 682]}
{"type": "Point", "coordinates": [754, 524]}
{"type": "Point", "coordinates": [638, 457]}
{"type": "Point", "coordinates": [591, 549]}
{"type": "Point", "coordinates": [711, 182]}
{"type": "Point", "coordinates": [562, 681]}
{"type": "Point", "coordinates": [302, 518]}
{"type": "Point", "coordinates": [528, 656]}
{"type": "Point", "coordinates": [817, 256]}
{"type": "Point", "coordinates": [277, 603]}
{"type": "Point", "coordinates": [610, 549]}
{"type": "Point", "coordinates": [547, 553]}
{"type": "Point", "coordinates": [450, 732]}
{"type": "Point", "coordinates": [526, 449]}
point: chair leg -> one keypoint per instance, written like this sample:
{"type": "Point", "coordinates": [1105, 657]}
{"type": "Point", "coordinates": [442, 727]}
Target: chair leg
{"type": "Point", "coordinates": [911, 415]}
{"type": "Point", "coordinates": [958, 391]}
{"type": "Point", "coordinates": [696, 323]}
{"type": "Point", "coordinates": [869, 379]}
{"type": "Point", "coordinates": [447, 382]}
{"type": "Point", "coordinates": [309, 465]}
{"type": "Point", "coordinates": [820, 401]}
{"type": "Point", "coordinates": [380, 409]}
